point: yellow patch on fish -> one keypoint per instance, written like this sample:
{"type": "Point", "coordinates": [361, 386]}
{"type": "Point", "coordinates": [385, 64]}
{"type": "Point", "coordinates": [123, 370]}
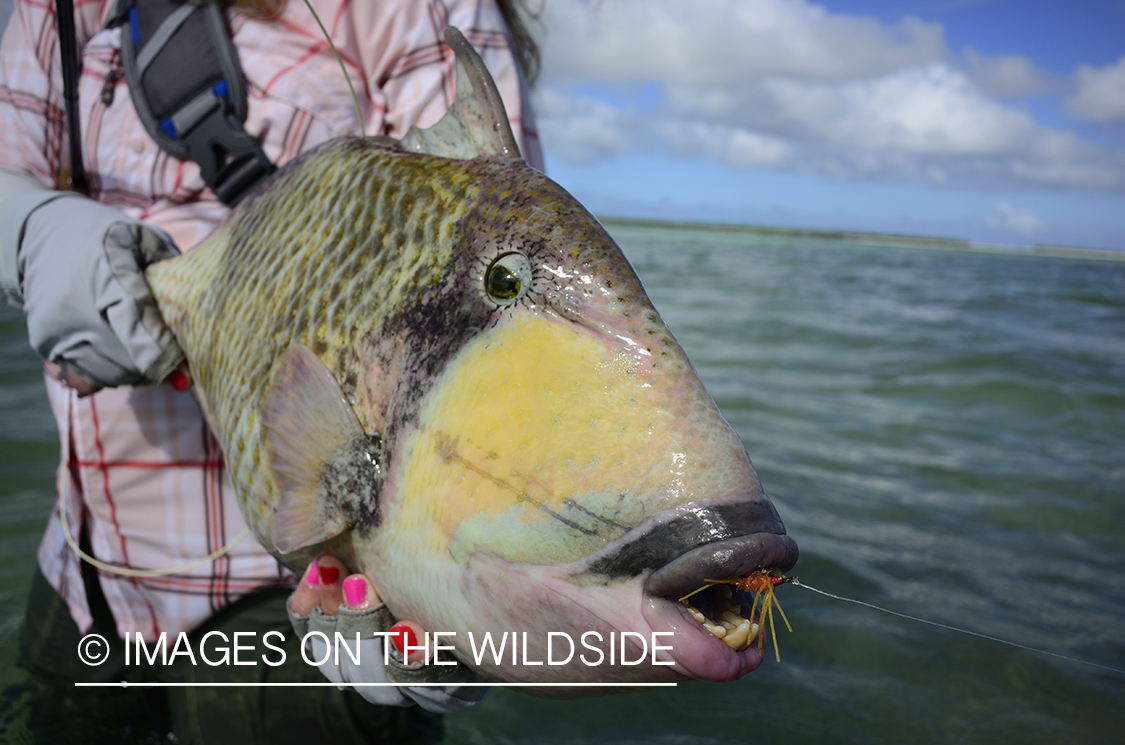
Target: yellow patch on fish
{"type": "Point", "coordinates": [538, 421]}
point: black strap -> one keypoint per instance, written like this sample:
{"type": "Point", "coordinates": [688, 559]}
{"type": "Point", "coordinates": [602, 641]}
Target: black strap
{"type": "Point", "coordinates": [71, 70]}
{"type": "Point", "coordinates": [187, 88]}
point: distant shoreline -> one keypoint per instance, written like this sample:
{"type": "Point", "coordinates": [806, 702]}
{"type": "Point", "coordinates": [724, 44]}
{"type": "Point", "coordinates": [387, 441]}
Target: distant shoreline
{"type": "Point", "coordinates": [883, 239]}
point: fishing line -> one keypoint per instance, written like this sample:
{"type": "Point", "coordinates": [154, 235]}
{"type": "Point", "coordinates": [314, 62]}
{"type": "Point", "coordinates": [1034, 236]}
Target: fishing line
{"type": "Point", "coordinates": [798, 583]}
{"type": "Point", "coordinates": [114, 568]}
{"type": "Point", "coordinates": [328, 38]}
{"type": "Point", "coordinates": [129, 571]}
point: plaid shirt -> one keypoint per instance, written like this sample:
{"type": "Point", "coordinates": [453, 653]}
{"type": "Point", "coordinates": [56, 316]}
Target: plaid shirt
{"type": "Point", "coordinates": [145, 475]}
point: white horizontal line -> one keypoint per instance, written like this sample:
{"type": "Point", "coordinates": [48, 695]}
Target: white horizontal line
{"type": "Point", "coordinates": [126, 684]}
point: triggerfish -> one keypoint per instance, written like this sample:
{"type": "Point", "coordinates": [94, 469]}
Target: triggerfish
{"type": "Point", "coordinates": [428, 359]}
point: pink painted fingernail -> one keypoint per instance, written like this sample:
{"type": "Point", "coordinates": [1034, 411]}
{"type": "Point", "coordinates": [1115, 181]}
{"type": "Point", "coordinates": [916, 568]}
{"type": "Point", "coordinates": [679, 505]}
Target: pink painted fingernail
{"type": "Point", "coordinates": [355, 591]}
{"type": "Point", "coordinates": [313, 577]}
{"type": "Point", "coordinates": [328, 575]}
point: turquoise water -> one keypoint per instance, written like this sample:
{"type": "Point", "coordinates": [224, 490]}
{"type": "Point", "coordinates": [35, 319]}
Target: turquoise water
{"type": "Point", "coordinates": [942, 432]}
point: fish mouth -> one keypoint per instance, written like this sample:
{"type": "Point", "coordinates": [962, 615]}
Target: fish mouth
{"type": "Point", "coordinates": [717, 627]}
{"type": "Point", "coordinates": [675, 554]}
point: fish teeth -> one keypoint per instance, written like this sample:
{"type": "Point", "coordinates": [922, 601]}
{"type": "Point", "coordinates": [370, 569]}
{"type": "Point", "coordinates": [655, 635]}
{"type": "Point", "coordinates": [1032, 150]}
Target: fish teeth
{"type": "Point", "coordinates": [732, 618]}
{"type": "Point", "coordinates": [732, 606]}
{"type": "Point", "coordinates": [736, 631]}
{"type": "Point", "coordinates": [719, 631]}
{"type": "Point", "coordinates": [738, 638]}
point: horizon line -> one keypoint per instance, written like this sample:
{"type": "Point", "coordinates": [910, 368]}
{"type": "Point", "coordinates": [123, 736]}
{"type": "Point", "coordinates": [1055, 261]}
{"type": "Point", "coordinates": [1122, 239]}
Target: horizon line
{"type": "Point", "coordinates": [877, 239]}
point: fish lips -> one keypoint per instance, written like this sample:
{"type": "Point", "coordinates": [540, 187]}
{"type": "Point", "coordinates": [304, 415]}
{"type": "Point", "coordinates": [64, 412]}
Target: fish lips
{"type": "Point", "coordinates": [716, 539]}
{"type": "Point", "coordinates": [733, 557]}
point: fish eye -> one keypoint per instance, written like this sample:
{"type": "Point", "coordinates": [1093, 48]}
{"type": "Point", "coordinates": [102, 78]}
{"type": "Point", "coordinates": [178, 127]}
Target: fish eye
{"type": "Point", "coordinates": [508, 279]}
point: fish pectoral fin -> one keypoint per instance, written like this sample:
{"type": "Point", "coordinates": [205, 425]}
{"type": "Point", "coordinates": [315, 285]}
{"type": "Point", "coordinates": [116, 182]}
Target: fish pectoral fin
{"type": "Point", "coordinates": [476, 123]}
{"type": "Point", "coordinates": [323, 463]}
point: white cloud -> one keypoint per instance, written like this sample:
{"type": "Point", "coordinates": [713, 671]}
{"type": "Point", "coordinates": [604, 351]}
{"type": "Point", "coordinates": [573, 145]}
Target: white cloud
{"type": "Point", "coordinates": [726, 41]}
{"type": "Point", "coordinates": [735, 146]}
{"type": "Point", "coordinates": [1007, 75]}
{"type": "Point", "coordinates": [786, 85]}
{"type": "Point", "coordinates": [1101, 93]}
{"type": "Point", "coordinates": [583, 130]}
{"type": "Point", "coordinates": [1024, 222]}
{"type": "Point", "coordinates": [933, 109]}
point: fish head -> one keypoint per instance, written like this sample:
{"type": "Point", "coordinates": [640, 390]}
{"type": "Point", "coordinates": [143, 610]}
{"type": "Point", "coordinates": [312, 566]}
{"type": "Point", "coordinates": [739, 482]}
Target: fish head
{"type": "Point", "coordinates": [554, 464]}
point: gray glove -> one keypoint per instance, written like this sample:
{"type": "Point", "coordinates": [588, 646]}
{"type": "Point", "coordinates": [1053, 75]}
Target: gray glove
{"type": "Point", "coordinates": [451, 696]}
{"type": "Point", "coordinates": [79, 272]}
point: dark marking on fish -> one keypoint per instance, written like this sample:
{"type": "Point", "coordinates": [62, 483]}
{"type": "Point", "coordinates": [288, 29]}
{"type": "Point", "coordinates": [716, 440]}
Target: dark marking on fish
{"type": "Point", "coordinates": [566, 522]}
{"type": "Point", "coordinates": [446, 448]}
{"type": "Point", "coordinates": [569, 502]}
{"type": "Point", "coordinates": [686, 531]}
{"type": "Point", "coordinates": [351, 482]}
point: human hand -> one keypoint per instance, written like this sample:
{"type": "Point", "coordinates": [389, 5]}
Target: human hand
{"type": "Point", "coordinates": [324, 602]}
{"type": "Point", "coordinates": [180, 379]}
{"type": "Point", "coordinates": [90, 311]}
{"type": "Point", "coordinates": [321, 587]}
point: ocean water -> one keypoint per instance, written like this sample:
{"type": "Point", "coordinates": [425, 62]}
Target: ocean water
{"type": "Point", "coordinates": [942, 432]}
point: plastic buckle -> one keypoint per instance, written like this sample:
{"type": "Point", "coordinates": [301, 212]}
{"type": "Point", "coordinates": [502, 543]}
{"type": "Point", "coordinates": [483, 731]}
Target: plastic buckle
{"type": "Point", "coordinates": [230, 160]}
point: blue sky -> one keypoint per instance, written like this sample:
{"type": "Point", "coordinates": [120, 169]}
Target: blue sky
{"type": "Point", "coordinates": [992, 120]}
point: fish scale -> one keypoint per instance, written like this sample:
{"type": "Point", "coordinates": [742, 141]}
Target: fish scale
{"type": "Point", "coordinates": [263, 274]}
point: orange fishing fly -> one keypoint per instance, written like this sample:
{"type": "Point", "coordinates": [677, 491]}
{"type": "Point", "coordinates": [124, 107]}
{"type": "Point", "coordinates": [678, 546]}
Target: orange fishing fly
{"type": "Point", "coordinates": [762, 584]}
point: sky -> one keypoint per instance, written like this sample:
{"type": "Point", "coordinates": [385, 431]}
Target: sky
{"type": "Point", "coordinates": [989, 120]}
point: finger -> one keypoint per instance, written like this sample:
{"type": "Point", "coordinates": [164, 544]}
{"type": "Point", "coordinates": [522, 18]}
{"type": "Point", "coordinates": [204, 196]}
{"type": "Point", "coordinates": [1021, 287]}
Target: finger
{"type": "Point", "coordinates": [69, 379]}
{"type": "Point", "coordinates": [83, 387]}
{"type": "Point", "coordinates": [307, 595]}
{"type": "Point", "coordinates": [409, 633]}
{"type": "Point", "coordinates": [331, 571]}
{"type": "Point", "coordinates": [360, 594]}
{"type": "Point", "coordinates": [180, 378]}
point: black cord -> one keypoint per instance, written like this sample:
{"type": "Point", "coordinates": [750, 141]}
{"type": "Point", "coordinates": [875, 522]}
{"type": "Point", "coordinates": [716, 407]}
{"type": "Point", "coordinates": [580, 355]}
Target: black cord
{"type": "Point", "coordinates": [71, 69]}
